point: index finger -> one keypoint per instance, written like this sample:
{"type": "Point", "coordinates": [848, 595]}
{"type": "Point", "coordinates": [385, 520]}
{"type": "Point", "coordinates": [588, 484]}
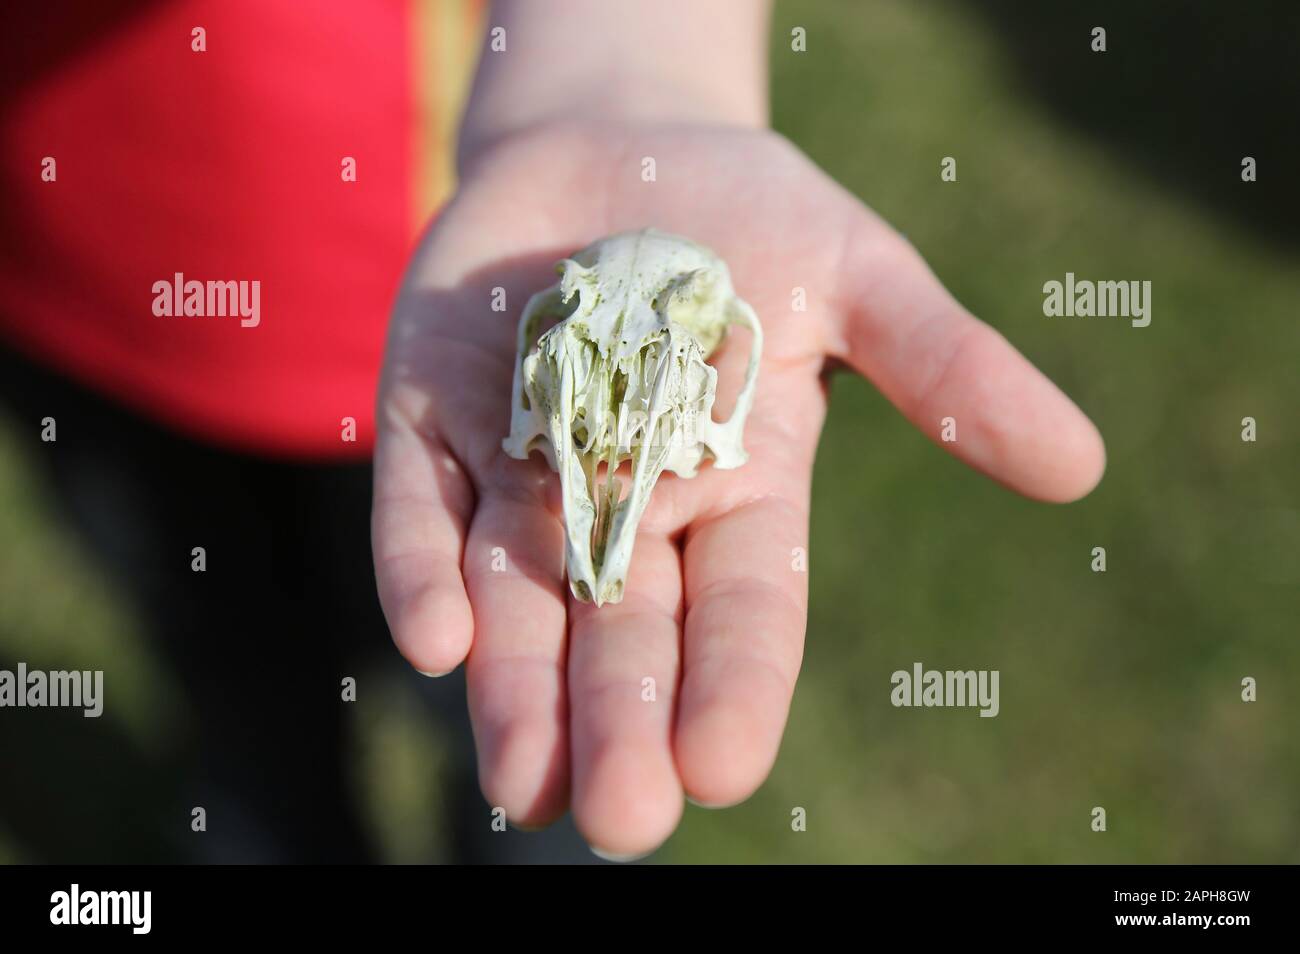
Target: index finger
{"type": "Point", "coordinates": [746, 582]}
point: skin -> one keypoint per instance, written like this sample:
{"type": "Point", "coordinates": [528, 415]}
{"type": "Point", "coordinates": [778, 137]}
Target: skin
{"type": "Point", "coordinates": [713, 611]}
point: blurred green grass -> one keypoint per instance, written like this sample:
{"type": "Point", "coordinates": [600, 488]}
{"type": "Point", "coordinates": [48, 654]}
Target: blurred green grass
{"type": "Point", "coordinates": [1119, 689]}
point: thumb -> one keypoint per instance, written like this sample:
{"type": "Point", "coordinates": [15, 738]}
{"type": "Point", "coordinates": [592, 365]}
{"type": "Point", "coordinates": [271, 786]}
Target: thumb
{"type": "Point", "coordinates": [958, 380]}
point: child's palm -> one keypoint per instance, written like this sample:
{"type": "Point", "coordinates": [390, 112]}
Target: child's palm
{"type": "Point", "coordinates": [715, 606]}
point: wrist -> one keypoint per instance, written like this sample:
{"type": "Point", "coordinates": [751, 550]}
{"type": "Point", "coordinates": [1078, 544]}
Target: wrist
{"type": "Point", "coordinates": [620, 104]}
{"type": "Point", "coordinates": [673, 61]}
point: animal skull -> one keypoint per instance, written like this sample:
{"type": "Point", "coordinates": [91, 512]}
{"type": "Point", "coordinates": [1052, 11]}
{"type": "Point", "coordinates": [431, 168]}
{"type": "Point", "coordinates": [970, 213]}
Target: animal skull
{"type": "Point", "coordinates": [622, 377]}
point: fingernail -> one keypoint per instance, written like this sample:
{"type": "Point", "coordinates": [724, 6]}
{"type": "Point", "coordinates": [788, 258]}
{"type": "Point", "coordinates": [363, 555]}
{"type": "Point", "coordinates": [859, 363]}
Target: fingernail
{"type": "Point", "coordinates": [621, 859]}
{"type": "Point", "coordinates": [709, 805]}
{"type": "Point", "coordinates": [435, 675]}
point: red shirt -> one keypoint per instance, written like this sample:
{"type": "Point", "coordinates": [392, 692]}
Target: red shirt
{"type": "Point", "coordinates": [224, 165]}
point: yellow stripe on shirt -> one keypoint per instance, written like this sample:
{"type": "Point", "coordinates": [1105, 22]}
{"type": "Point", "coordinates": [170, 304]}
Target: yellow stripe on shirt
{"type": "Point", "coordinates": [447, 35]}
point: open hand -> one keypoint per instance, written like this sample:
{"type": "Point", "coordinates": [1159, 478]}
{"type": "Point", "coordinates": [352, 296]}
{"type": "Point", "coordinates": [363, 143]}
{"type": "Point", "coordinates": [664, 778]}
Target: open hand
{"type": "Point", "coordinates": [469, 544]}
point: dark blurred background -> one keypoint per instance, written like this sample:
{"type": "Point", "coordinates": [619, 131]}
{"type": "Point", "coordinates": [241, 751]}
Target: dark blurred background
{"type": "Point", "coordinates": [1121, 689]}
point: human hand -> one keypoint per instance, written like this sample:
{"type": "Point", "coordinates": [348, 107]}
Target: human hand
{"type": "Point", "coordinates": [713, 611]}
